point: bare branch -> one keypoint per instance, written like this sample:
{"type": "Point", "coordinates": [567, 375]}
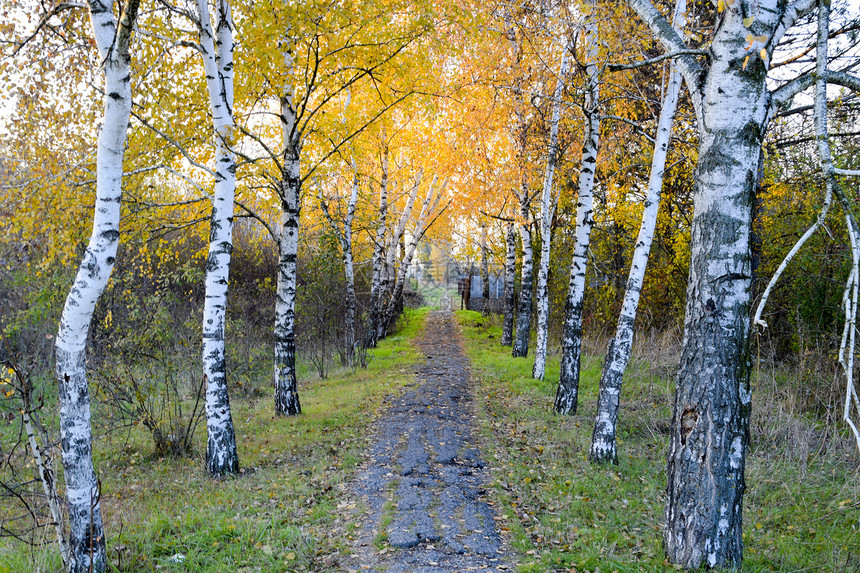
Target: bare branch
{"type": "Point", "coordinates": [676, 54]}
{"type": "Point", "coordinates": [55, 9]}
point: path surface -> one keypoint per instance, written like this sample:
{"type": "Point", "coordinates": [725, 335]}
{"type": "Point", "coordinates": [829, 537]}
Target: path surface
{"type": "Point", "coordinates": [423, 484]}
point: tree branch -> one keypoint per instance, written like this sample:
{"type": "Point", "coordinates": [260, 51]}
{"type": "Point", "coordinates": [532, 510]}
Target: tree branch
{"type": "Point", "coordinates": [672, 42]}
{"type": "Point", "coordinates": [676, 54]}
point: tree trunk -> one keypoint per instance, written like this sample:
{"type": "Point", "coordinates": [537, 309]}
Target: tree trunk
{"type": "Point", "coordinates": [546, 211]}
{"type": "Point", "coordinates": [603, 446]}
{"type": "Point", "coordinates": [710, 422]}
{"type": "Point", "coordinates": [567, 395]}
{"type": "Point", "coordinates": [346, 244]}
{"type": "Point", "coordinates": [378, 256]}
{"type": "Point", "coordinates": [524, 310]}
{"type": "Point", "coordinates": [428, 205]}
{"type": "Point", "coordinates": [221, 454]}
{"type": "Point", "coordinates": [389, 284]}
{"type": "Point", "coordinates": [510, 271]}
{"type": "Point", "coordinates": [485, 270]}
{"type": "Point", "coordinates": [345, 239]}
{"type": "Point", "coordinates": [86, 531]}
{"type": "Point", "coordinates": [286, 386]}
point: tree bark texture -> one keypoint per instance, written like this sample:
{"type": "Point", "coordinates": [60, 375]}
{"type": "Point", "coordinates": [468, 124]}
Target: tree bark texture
{"type": "Point", "coordinates": [387, 301]}
{"type": "Point", "coordinates": [286, 385]}
{"type": "Point", "coordinates": [603, 443]}
{"type": "Point", "coordinates": [378, 256]}
{"type": "Point", "coordinates": [524, 308]}
{"type": "Point", "coordinates": [345, 238]}
{"type": "Point", "coordinates": [346, 244]}
{"type": "Point", "coordinates": [710, 422]}
{"type": "Point", "coordinates": [510, 272]}
{"type": "Point", "coordinates": [485, 269]}
{"type": "Point", "coordinates": [217, 52]}
{"type": "Point", "coordinates": [428, 205]}
{"type": "Point", "coordinates": [547, 207]}
{"type": "Point", "coordinates": [86, 531]}
{"type": "Point", "coordinates": [567, 394]}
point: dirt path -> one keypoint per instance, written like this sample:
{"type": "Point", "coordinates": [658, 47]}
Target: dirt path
{"type": "Point", "coordinates": [423, 484]}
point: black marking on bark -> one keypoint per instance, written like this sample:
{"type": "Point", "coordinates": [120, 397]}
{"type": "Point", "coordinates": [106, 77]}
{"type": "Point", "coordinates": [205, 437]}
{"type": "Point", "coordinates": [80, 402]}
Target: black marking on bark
{"type": "Point", "coordinates": [710, 306]}
{"type": "Point", "coordinates": [689, 420]}
{"type": "Point", "coordinates": [110, 235]}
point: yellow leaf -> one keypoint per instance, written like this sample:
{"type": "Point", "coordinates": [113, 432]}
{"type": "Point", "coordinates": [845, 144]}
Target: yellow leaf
{"type": "Point", "coordinates": [721, 5]}
{"type": "Point", "coordinates": [749, 21]}
{"type": "Point", "coordinates": [746, 60]}
{"type": "Point", "coordinates": [291, 556]}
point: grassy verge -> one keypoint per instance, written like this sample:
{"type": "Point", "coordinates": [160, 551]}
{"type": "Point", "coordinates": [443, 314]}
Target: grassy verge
{"type": "Point", "coordinates": [280, 514]}
{"type": "Point", "coordinates": [565, 514]}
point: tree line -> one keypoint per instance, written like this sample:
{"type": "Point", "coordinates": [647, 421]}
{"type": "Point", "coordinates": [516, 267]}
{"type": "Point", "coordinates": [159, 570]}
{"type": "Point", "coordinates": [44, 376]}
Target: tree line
{"type": "Point", "coordinates": [395, 122]}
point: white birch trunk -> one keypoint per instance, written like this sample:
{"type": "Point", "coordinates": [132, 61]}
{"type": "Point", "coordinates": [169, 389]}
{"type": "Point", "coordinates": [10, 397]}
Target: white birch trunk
{"type": "Point", "coordinates": [217, 52]}
{"type": "Point", "coordinates": [603, 444]}
{"type": "Point", "coordinates": [388, 300]}
{"type": "Point", "coordinates": [378, 256]}
{"type": "Point", "coordinates": [546, 211]}
{"type": "Point", "coordinates": [510, 275]}
{"type": "Point", "coordinates": [345, 239]}
{"type": "Point", "coordinates": [566, 397]}
{"type": "Point", "coordinates": [86, 532]}
{"type": "Point", "coordinates": [350, 274]}
{"type": "Point", "coordinates": [286, 385]}
{"type": "Point", "coordinates": [428, 206]}
{"type": "Point", "coordinates": [520, 347]}
{"type": "Point", "coordinates": [847, 348]}
{"type": "Point", "coordinates": [710, 422]}
{"type": "Point", "coordinates": [485, 269]}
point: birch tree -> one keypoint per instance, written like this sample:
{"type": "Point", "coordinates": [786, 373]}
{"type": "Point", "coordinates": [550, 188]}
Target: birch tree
{"type": "Point", "coordinates": [522, 122]}
{"type": "Point", "coordinates": [345, 238]}
{"type": "Point", "coordinates": [216, 49]}
{"type": "Point", "coordinates": [378, 251]}
{"type": "Point", "coordinates": [289, 192]}
{"type": "Point", "coordinates": [547, 207]}
{"type": "Point", "coordinates": [510, 274]}
{"type": "Point", "coordinates": [388, 278]}
{"type": "Point", "coordinates": [330, 42]}
{"type": "Point", "coordinates": [832, 186]}
{"type": "Point", "coordinates": [485, 269]}
{"type": "Point", "coordinates": [425, 218]}
{"type": "Point", "coordinates": [86, 531]}
{"type": "Point", "coordinates": [603, 445]}
{"type": "Point", "coordinates": [567, 394]}
{"type": "Point", "coordinates": [520, 347]}
{"type": "Point", "coordinates": [710, 421]}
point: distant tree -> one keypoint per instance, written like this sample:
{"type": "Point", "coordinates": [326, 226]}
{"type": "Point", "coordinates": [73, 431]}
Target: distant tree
{"type": "Point", "coordinates": [509, 299]}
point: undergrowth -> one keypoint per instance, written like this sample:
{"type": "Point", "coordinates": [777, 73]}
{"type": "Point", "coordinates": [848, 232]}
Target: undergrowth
{"type": "Point", "coordinates": [280, 514]}
{"type": "Point", "coordinates": [801, 510]}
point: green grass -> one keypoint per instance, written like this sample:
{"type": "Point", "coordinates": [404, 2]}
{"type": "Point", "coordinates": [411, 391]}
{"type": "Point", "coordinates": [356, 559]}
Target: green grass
{"type": "Point", "coordinates": [280, 514]}
{"type": "Point", "coordinates": [566, 514]}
